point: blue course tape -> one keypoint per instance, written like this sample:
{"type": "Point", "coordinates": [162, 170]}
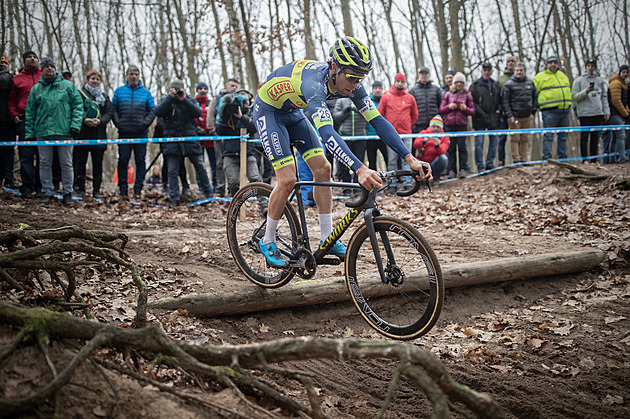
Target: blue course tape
{"type": "Point", "coordinates": [347, 138]}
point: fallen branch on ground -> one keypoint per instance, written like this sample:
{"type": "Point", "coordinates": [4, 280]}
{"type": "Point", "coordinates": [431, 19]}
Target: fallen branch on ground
{"type": "Point", "coordinates": [54, 251]}
{"type": "Point", "coordinates": [235, 367]}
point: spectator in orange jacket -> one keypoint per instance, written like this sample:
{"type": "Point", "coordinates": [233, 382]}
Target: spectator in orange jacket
{"type": "Point", "coordinates": [400, 109]}
{"type": "Point", "coordinates": [433, 149]}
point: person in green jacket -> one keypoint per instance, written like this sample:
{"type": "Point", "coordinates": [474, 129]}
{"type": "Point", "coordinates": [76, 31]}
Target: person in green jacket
{"type": "Point", "coordinates": [54, 111]}
{"type": "Point", "coordinates": [554, 101]}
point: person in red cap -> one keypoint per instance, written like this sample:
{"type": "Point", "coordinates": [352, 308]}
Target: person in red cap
{"type": "Point", "coordinates": [400, 109]}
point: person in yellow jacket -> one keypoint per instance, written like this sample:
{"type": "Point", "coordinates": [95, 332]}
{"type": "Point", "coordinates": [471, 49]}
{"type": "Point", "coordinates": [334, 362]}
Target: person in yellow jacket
{"type": "Point", "coordinates": [554, 101]}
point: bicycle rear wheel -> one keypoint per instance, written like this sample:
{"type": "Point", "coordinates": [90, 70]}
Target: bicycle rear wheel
{"type": "Point", "coordinates": [408, 303]}
{"type": "Point", "coordinates": [246, 221]}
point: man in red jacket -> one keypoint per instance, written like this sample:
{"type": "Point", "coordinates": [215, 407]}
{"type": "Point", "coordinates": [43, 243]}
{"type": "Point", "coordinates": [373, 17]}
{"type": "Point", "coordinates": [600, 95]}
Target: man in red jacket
{"type": "Point", "coordinates": [400, 109]}
{"type": "Point", "coordinates": [433, 149]}
{"type": "Point", "coordinates": [22, 85]}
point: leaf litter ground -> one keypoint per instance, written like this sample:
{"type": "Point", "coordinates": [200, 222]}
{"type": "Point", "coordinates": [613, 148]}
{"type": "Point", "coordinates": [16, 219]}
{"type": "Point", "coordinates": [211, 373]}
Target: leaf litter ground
{"type": "Point", "coordinates": [549, 347]}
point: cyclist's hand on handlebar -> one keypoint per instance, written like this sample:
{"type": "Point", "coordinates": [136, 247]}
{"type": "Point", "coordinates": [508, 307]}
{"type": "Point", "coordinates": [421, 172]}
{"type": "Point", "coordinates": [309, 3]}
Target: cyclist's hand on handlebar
{"type": "Point", "coordinates": [421, 167]}
{"type": "Point", "coordinates": [368, 178]}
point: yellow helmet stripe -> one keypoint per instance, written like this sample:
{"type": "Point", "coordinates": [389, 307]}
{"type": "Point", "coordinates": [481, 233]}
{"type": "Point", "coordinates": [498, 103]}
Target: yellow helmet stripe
{"type": "Point", "coordinates": [348, 60]}
{"type": "Point", "coordinates": [365, 54]}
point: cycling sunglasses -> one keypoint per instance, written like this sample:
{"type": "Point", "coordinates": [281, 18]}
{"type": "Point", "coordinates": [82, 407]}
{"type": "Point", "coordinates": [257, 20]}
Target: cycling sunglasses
{"type": "Point", "coordinates": [353, 78]}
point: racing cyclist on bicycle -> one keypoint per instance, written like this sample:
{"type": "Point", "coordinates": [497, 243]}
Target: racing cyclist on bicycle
{"type": "Point", "coordinates": [306, 84]}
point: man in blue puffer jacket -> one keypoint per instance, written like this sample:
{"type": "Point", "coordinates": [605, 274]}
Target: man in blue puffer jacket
{"type": "Point", "coordinates": [133, 115]}
{"type": "Point", "coordinates": [179, 112]}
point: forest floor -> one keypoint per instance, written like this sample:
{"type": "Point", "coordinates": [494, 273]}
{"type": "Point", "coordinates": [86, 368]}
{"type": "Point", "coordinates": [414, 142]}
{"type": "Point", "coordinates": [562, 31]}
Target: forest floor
{"type": "Point", "coordinates": [552, 347]}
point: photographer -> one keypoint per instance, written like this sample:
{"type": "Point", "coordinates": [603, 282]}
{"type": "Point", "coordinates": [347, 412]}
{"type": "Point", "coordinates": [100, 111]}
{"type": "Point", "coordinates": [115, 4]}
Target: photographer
{"type": "Point", "coordinates": [233, 114]}
{"type": "Point", "coordinates": [179, 112]}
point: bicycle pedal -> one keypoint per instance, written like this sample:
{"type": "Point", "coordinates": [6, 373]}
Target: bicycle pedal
{"type": "Point", "coordinates": [331, 261]}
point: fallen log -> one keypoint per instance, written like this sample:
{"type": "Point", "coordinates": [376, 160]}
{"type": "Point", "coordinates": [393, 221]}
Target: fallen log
{"type": "Point", "coordinates": [250, 298]}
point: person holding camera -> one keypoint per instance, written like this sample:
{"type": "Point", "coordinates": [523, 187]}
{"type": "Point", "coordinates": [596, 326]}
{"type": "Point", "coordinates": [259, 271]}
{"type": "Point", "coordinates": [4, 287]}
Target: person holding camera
{"type": "Point", "coordinates": [54, 111]}
{"type": "Point", "coordinates": [234, 113]}
{"type": "Point", "coordinates": [179, 111]}
{"type": "Point", "coordinates": [590, 94]}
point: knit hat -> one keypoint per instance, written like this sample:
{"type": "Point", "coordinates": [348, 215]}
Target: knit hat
{"type": "Point", "coordinates": [27, 53]}
{"type": "Point", "coordinates": [623, 67]}
{"type": "Point", "coordinates": [424, 70]}
{"type": "Point", "coordinates": [552, 58]}
{"type": "Point", "coordinates": [459, 77]}
{"type": "Point", "coordinates": [437, 121]}
{"type": "Point", "coordinates": [177, 84]}
{"type": "Point", "coordinates": [47, 61]}
{"type": "Point", "coordinates": [133, 67]}
{"type": "Point", "coordinates": [4, 60]}
{"type": "Point", "coordinates": [451, 72]}
{"type": "Point", "coordinates": [592, 61]}
{"type": "Point", "coordinates": [200, 85]}
{"type": "Point", "coordinates": [66, 72]}
{"type": "Point", "coordinates": [377, 84]}
{"type": "Point", "coordinates": [400, 76]}
{"type": "Point", "coordinates": [511, 59]}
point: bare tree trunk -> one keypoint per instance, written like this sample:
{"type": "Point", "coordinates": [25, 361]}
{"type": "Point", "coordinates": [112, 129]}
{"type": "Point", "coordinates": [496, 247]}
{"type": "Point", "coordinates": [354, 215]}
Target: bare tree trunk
{"type": "Point", "coordinates": [387, 6]}
{"type": "Point", "coordinates": [417, 36]}
{"type": "Point", "coordinates": [234, 45]}
{"type": "Point", "coordinates": [188, 45]}
{"type": "Point", "coordinates": [308, 35]}
{"type": "Point", "coordinates": [508, 34]}
{"type": "Point", "coordinates": [517, 29]}
{"type": "Point", "coordinates": [442, 32]}
{"type": "Point", "coordinates": [454, 6]}
{"type": "Point", "coordinates": [217, 26]}
{"type": "Point", "coordinates": [347, 19]}
{"type": "Point", "coordinates": [290, 37]}
{"type": "Point", "coordinates": [252, 72]}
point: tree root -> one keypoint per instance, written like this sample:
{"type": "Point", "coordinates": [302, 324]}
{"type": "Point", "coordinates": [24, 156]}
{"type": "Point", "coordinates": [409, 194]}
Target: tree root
{"type": "Point", "coordinates": [52, 251]}
{"type": "Point", "coordinates": [230, 366]}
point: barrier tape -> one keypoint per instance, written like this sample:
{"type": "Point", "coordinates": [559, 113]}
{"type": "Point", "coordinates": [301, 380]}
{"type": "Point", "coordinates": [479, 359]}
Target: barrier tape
{"type": "Point", "coordinates": [347, 138]}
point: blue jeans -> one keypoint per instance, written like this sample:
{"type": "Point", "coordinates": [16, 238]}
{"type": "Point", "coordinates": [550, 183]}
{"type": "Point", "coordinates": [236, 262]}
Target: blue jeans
{"type": "Point", "coordinates": [502, 139]}
{"type": "Point", "coordinates": [438, 165]}
{"type": "Point", "coordinates": [492, 152]}
{"type": "Point", "coordinates": [213, 165]}
{"type": "Point", "coordinates": [124, 155]}
{"type": "Point", "coordinates": [29, 161]}
{"type": "Point", "coordinates": [46, 171]}
{"type": "Point", "coordinates": [618, 144]}
{"type": "Point", "coordinates": [555, 118]}
{"type": "Point", "coordinates": [395, 162]}
{"type": "Point", "coordinates": [173, 162]}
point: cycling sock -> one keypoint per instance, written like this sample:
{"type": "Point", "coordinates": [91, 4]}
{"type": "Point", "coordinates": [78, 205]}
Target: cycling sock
{"type": "Point", "coordinates": [325, 225]}
{"type": "Point", "coordinates": [270, 231]}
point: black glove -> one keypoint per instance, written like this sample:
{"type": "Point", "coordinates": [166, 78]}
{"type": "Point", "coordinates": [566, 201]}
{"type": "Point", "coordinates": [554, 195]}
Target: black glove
{"type": "Point", "coordinates": [75, 133]}
{"type": "Point", "coordinates": [420, 152]}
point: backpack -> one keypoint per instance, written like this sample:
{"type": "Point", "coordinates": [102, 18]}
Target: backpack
{"type": "Point", "coordinates": [91, 109]}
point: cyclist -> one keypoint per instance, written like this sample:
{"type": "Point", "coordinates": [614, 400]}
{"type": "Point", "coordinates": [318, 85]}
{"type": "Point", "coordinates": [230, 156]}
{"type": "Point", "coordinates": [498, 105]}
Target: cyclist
{"type": "Point", "coordinates": [306, 84]}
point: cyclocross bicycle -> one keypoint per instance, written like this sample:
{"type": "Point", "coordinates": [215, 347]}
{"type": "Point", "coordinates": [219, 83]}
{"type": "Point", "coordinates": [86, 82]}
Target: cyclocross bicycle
{"type": "Point", "coordinates": [391, 272]}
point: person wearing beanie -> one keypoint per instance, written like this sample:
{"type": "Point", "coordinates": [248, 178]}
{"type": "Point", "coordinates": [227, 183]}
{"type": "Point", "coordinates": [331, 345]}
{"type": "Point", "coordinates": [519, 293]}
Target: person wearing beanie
{"type": "Point", "coordinates": [200, 85]}
{"type": "Point", "coordinates": [486, 94]}
{"type": "Point", "coordinates": [554, 101]}
{"type": "Point", "coordinates": [54, 111]}
{"type": "Point", "coordinates": [18, 97]}
{"type": "Point", "coordinates": [433, 149]}
{"type": "Point", "coordinates": [457, 105]}
{"type": "Point", "coordinates": [428, 97]}
{"type": "Point", "coordinates": [399, 108]}
{"type": "Point", "coordinates": [202, 129]}
{"type": "Point", "coordinates": [590, 94]}
{"type": "Point", "coordinates": [7, 127]}
{"type": "Point", "coordinates": [619, 105]}
{"type": "Point", "coordinates": [519, 101]}
{"type": "Point", "coordinates": [503, 124]}
{"type": "Point", "coordinates": [179, 112]}
{"type": "Point", "coordinates": [134, 112]}
{"type": "Point", "coordinates": [374, 146]}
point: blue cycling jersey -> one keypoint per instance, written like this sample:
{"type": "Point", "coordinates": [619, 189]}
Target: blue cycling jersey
{"type": "Point", "coordinates": [304, 84]}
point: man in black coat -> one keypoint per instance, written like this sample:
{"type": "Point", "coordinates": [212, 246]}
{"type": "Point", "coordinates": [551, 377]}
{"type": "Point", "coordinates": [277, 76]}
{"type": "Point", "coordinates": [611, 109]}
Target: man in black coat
{"type": "Point", "coordinates": [428, 98]}
{"type": "Point", "coordinates": [179, 111]}
{"type": "Point", "coordinates": [486, 94]}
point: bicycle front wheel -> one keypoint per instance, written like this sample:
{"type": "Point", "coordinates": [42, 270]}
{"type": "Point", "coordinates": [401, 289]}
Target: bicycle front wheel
{"type": "Point", "coordinates": [406, 303]}
{"type": "Point", "coordinates": [246, 223]}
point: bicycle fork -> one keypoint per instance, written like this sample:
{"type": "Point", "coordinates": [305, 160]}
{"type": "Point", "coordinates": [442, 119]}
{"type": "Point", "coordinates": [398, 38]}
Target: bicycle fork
{"type": "Point", "coordinates": [390, 274]}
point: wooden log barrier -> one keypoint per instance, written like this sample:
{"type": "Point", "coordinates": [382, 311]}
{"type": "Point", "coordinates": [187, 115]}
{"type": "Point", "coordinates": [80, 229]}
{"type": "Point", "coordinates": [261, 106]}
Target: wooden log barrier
{"type": "Point", "coordinates": [250, 298]}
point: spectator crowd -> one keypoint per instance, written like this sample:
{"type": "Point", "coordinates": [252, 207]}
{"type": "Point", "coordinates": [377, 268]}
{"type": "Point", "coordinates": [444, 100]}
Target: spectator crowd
{"type": "Point", "coordinates": [41, 103]}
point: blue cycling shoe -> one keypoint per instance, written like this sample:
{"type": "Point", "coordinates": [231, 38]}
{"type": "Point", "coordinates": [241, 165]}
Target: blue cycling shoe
{"type": "Point", "coordinates": [273, 255]}
{"type": "Point", "coordinates": [338, 249]}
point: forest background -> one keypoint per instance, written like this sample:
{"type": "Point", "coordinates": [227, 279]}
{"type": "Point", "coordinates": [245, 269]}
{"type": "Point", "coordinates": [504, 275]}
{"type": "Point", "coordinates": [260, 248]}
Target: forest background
{"type": "Point", "coordinates": [212, 40]}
